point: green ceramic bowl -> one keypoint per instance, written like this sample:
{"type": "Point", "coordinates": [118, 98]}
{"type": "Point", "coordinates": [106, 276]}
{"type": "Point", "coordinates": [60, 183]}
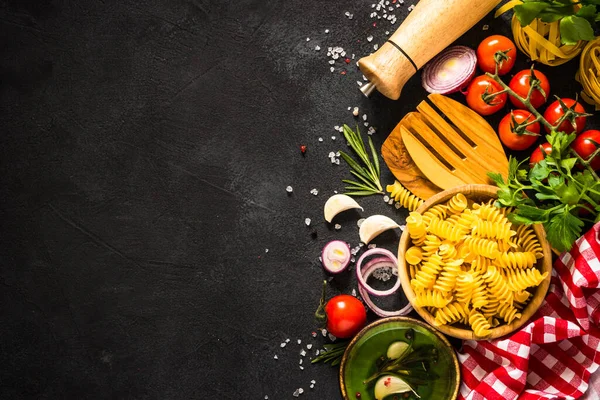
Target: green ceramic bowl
{"type": "Point", "coordinates": [359, 359]}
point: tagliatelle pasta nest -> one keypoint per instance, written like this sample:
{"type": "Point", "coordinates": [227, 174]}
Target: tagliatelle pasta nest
{"type": "Point", "coordinates": [540, 40]}
{"type": "Point", "coordinates": [589, 73]}
{"type": "Point", "coordinates": [470, 265]}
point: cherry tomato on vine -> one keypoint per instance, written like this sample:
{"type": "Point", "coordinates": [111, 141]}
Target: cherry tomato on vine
{"type": "Point", "coordinates": [537, 155]}
{"type": "Point", "coordinates": [346, 316]}
{"type": "Point", "coordinates": [517, 137]}
{"type": "Point", "coordinates": [586, 144]}
{"type": "Point", "coordinates": [486, 54]}
{"type": "Point", "coordinates": [555, 111]}
{"type": "Point", "coordinates": [521, 83]}
{"type": "Point", "coordinates": [480, 95]}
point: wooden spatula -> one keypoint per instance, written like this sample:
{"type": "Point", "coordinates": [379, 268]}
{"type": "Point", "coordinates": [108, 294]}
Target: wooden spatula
{"type": "Point", "coordinates": [447, 144]}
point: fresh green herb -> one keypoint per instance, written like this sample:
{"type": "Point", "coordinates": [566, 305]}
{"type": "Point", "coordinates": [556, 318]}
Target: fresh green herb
{"type": "Point", "coordinates": [332, 353]}
{"type": "Point", "coordinates": [369, 174]}
{"type": "Point", "coordinates": [575, 25]}
{"type": "Point", "coordinates": [553, 192]}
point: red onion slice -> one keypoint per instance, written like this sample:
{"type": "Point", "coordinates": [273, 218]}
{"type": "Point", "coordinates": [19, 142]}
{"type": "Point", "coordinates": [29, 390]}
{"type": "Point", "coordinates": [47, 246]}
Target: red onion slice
{"type": "Point", "coordinates": [367, 299]}
{"type": "Point", "coordinates": [450, 71]}
{"type": "Point", "coordinates": [336, 256]}
{"type": "Point", "coordinates": [390, 261]}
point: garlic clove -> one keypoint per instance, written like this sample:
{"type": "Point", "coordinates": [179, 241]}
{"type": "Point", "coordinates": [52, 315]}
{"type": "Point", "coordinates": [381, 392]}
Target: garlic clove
{"type": "Point", "coordinates": [388, 385]}
{"type": "Point", "coordinates": [338, 203]}
{"type": "Point", "coordinates": [374, 226]}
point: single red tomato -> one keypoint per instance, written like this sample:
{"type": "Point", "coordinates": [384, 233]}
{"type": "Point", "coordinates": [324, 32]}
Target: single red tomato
{"type": "Point", "coordinates": [537, 155]}
{"type": "Point", "coordinates": [555, 111]}
{"type": "Point", "coordinates": [586, 144]}
{"type": "Point", "coordinates": [514, 136]}
{"type": "Point", "coordinates": [346, 315]}
{"type": "Point", "coordinates": [480, 95]}
{"type": "Point", "coordinates": [521, 83]}
{"type": "Point", "coordinates": [486, 54]}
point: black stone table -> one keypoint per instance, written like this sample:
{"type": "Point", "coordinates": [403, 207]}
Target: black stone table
{"type": "Point", "coordinates": [149, 249]}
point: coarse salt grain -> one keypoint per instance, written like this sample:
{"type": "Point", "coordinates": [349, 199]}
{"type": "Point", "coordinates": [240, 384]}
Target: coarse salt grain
{"type": "Point", "coordinates": [317, 352]}
{"type": "Point", "coordinates": [486, 27]}
{"type": "Point", "coordinates": [287, 340]}
{"type": "Point", "coordinates": [354, 292]}
{"type": "Point", "coordinates": [300, 390]}
{"type": "Point", "coordinates": [372, 246]}
{"type": "Point", "coordinates": [313, 334]}
{"type": "Point", "coordinates": [320, 139]}
{"type": "Point", "coordinates": [296, 393]}
{"type": "Point", "coordinates": [299, 341]}
{"type": "Point", "coordinates": [364, 117]}
{"type": "Point", "coordinates": [337, 227]}
{"type": "Point", "coordinates": [266, 250]}
{"type": "Point", "coordinates": [371, 130]}
{"type": "Point", "coordinates": [355, 112]}
{"type": "Point", "coordinates": [307, 221]}
{"type": "Point", "coordinates": [313, 381]}
{"type": "Point", "coordinates": [309, 346]}
{"type": "Point", "coordinates": [300, 361]}
{"type": "Point", "coordinates": [282, 344]}
{"type": "Point", "coordinates": [375, 47]}
{"type": "Point", "coordinates": [326, 30]}
{"type": "Point", "coordinates": [308, 39]}
{"type": "Point", "coordinates": [332, 69]}
{"type": "Point", "coordinates": [333, 138]}
{"type": "Point", "coordinates": [369, 38]}
{"type": "Point", "coordinates": [331, 154]}
{"type": "Point", "coordinates": [359, 83]}
{"type": "Point", "coordinates": [397, 205]}
{"type": "Point", "coordinates": [386, 198]}
{"type": "Point", "coordinates": [317, 48]}
{"type": "Point", "coordinates": [402, 227]}
{"type": "Point", "coordinates": [366, 124]}
{"type": "Point", "coordinates": [331, 337]}
{"type": "Point", "coordinates": [289, 189]}
{"type": "Point", "coordinates": [314, 192]}
{"type": "Point", "coordinates": [275, 357]}
{"type": "Point", "coordinates": [324, 332]}
{"type": "Point", "coordinates": [360, 222]}
{"type": "Point", "coordinates": [303, 352]}
{"type": "Point", "coordinates": [301, 367]}
{"type": "Point", "coordinates": [391, 202]}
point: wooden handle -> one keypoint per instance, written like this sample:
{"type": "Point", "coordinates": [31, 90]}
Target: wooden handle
{"type": "Point", "coordinates": [431, 27]}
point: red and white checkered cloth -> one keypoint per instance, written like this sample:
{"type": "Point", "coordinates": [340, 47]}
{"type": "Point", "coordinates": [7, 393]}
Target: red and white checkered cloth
{"type": "Point", "coordinates": [557, 352]}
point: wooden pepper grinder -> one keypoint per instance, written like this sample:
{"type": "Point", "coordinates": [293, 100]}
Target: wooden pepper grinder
{"type": "Point", "coordinates": [431, 27]}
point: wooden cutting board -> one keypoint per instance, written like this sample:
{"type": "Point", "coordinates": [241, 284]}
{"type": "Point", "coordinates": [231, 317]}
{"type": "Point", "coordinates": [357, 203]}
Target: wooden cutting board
{"type": "Point", "coordinates": [442, 145]}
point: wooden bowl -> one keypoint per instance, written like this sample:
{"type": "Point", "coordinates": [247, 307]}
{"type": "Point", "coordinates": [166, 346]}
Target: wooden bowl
{"type": "Point", "coordinates": [476, 193]}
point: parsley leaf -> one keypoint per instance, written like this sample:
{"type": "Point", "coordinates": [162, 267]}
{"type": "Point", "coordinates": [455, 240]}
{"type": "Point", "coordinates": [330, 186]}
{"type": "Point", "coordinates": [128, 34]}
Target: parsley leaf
{"type": "Point", "coordinates": [574, 29]}
{"type": "Point", "coordinates": [529, 11]}
{"type": "Point", "coordinates": [563, 229]}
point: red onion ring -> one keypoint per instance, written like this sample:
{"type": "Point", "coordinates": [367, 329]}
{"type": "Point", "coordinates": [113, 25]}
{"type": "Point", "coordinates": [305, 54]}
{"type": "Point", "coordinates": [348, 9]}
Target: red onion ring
{"type": "Point", "coordinates": [440, 77]}
{"type": "Point", "coordinates": [388, 257]}
{"type": "Point", "coordinates": [367, 299]}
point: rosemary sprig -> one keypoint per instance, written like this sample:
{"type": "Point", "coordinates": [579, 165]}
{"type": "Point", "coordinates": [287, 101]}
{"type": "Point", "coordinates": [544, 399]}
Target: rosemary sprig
{"type": "Point", "coordinates": [333, 353]}
{"type": "Point", "coordinates": [368, 173]}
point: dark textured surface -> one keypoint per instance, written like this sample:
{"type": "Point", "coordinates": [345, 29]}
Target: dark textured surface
{"type": "Point", "coordinates": [145, 151]}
